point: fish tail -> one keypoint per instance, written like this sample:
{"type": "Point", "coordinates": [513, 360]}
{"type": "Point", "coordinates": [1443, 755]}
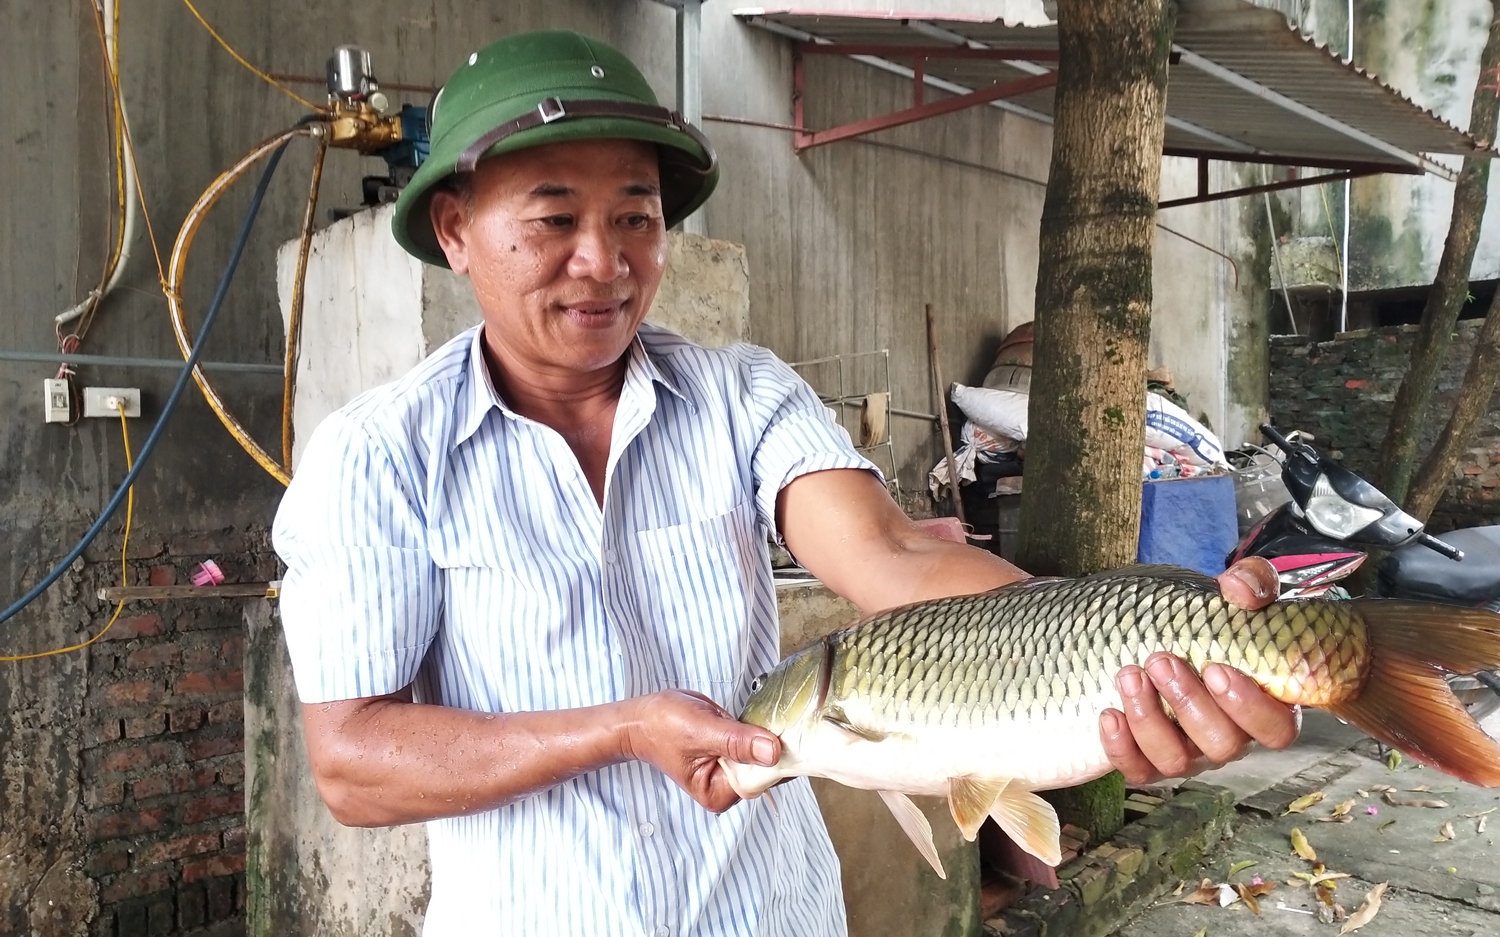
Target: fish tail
{"type": "Point", "coordinates": [1404, 699]}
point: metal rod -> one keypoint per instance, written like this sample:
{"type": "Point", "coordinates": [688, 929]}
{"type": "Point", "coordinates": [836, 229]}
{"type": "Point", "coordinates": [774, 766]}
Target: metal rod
{"type": "Point", "coordinates": [690, 82]}
{"type": "Point", "coordinates": [1231, 77]}
{"type": "Point", "coordinates": [1258, 189]}
{"type": "Point", "coordinates": [909, 50]}
{"type": "Point", "coordinates": [937, 377]}
{"type": "Point", "coordinates": [936, 109]}
{"type": "Point", "coordinates": [859, 401]}
{"type": "Point", "coordinates": [118, 361]}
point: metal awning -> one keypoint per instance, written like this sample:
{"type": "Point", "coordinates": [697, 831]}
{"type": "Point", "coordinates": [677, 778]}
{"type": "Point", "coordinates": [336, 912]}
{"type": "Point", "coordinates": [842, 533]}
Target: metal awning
{"type": "Point", "coordinates": [1244, 86]}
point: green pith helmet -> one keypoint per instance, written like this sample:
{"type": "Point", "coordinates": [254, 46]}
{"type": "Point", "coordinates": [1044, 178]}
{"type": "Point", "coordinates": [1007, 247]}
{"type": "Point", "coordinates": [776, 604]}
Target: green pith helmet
{"type": "Point", "coordinates": [541, 87]}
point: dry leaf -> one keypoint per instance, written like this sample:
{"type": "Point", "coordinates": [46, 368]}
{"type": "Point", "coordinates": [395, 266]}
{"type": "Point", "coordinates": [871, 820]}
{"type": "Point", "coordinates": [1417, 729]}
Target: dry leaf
{"type": "Point", "coordinates": [1302, 803]}
{"type": "Point", "coordinates": [1363, 794]}
{"type": "Point", "coordinates": [1366, 912]}
{"type": "Point", "coordinates": [1344, 807]}
{"type": "Point", "coordinates": [1248, 897]}
{"type": "Point", "coordinates": [1181, 884]}
{"type": "Point", "coordinates": [1481, 813]}
{"type": "Point", "coordinates": [1381, 827]}
{"type": "Point", "coordinates": [1260, 889]}
{"type": "Point", "coordinates": [1324, 891]}
{"type": "Point", "coordinates": [1302, 847]}
{"type": "Point", "coordinates": [1242, 865]}
{"type": "Point", "coordinates": [1393, 760]}
{"type": "Point", "coordinates": [1420, 788]}
{"type": "Point", "coordinates": [1205, 893]}
{"type": "Point", "coordinates": [1479, 827]}
{"type": "Point", "coordinates": [1340, 818]}
{"type": "Point", "coordinates": [1381, 788]}
{"type": "Point", "coordinates": [1202, 932]}
{"type": "Point", "coordinates": [1445, 833]}
{"type": "Point", "coordinates": [1397, 801]}
{"type": "Point", "coordinates": [1318, 878]}
{"type": "Point", "coordinates": [1296, 882]}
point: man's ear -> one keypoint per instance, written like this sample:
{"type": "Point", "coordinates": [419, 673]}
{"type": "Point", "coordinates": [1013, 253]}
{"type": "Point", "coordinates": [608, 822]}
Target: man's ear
{"type": "Point", "coordinates": [450, 222]}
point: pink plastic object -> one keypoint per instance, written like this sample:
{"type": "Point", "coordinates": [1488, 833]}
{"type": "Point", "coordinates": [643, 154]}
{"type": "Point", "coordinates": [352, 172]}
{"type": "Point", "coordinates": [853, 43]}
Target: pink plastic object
{"type": "Point", "coordinates": [208, 574]}
{"type": "Point", "coordinates": [948, 528]}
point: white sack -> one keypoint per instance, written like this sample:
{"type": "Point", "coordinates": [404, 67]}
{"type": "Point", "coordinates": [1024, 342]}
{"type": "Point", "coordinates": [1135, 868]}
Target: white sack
{"type": "Point", "coordinates": [1169, 427]}
{"type": "Point", "coordinates": [997, 412]}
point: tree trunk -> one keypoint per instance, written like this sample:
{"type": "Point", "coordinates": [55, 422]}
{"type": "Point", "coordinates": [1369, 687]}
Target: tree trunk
{"type": "Point", "coordinates": [1398, 452]}
{"type": "Point", "coordinates": [1472, 403]}
{"type": "Point", "coordinates": [1081, 508]}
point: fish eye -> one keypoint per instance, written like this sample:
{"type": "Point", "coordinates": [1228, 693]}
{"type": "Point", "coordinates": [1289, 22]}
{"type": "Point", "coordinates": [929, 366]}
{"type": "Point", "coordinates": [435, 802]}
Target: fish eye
{"type": "Point", "coordinates": [757, 683]}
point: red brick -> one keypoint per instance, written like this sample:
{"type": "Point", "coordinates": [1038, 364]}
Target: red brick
{"type": "Point", "coordinates": [171, 850]}
{"type": "Point", "coordinates": [135, 626]}
{"type": "Point", "coordinates": [125, 823]}
{"type": "Point", "coordinates": [234, 839]}
{"type": "Point", "coordinates": [104, 795]}
{"type": "Point", "coordinates": [185, 720]}
{"type": "Point", "coordinates": [233, 650]}
{"type": "Point", "coordinates": [1473, 470]}
{"type": "Point", "coordinates": [108, 859]}
{"type": "Point", "coordinates": [106, 731]}
{"type": "Point", "coordinates": [175, 781]}
{"type": "Point", "coordinates": [227, 712]}
{"type": "Point", "coordinates": [199, 749]}
{"type": "Point", "coordinates": [141, 727]}
{"type": "Point", "coordinates": [162, 655]}
{"type": "Point", "coordinates": [132, 691]}
{"type": "Point", "coordinates": [212, 867]}
{"type": "Point", "coordinates": [232, 775]}
{"type": "Point", "coordinates": [201, 657]}
{"type": "Point", "coordinates": [1357, 385]}
{"type": "Point", "coordinates": [135, 885]}
{"type": "Point", "coordinates": [212, 805]}
{"type": "Point", "coordinates": [210, 682]}
{"type": "Point", "coordinates": [163, 576]}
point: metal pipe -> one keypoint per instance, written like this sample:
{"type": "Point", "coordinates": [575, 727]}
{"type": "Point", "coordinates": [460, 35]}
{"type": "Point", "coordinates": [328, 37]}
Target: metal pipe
{"type": "Point", "coordinates": [119, 361]}
{"type": "Point", "coordinates": [690, 83]}
{"type": "Point", "coordinates": [1348, 190]}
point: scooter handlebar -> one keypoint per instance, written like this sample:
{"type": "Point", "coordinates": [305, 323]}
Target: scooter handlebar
{"type": "Point", "coordinates": [1447, 549]}
{"type": "Point", "coordinates": [1271, 433]}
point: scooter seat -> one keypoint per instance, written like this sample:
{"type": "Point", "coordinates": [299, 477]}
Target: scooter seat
{"type": "Point", "coordinates": [1416, 572]}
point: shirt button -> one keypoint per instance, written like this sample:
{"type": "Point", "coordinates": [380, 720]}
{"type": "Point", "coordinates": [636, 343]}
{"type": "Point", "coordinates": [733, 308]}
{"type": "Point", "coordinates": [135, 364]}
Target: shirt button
{"type": "Point", "coordinates": [609, 556]}
{"type": "Point", "coordinates": [662, 930]}
{"type": "Point", "coordinates": [648, 828]}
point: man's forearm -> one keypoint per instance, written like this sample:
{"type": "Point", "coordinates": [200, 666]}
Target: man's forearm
{"type": "Point", "coordinates": [386, 761]}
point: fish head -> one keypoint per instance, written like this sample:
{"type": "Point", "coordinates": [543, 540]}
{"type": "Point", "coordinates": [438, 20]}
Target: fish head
{"type": "Point", "coordinates": [785, 701]}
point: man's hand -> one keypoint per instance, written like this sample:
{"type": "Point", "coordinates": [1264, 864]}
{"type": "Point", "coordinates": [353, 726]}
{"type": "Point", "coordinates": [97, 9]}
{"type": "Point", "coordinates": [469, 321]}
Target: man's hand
{"type": "Point", "coordinates": [684, 734]}
{"type": "Point", "coordinates": [1217, 717]}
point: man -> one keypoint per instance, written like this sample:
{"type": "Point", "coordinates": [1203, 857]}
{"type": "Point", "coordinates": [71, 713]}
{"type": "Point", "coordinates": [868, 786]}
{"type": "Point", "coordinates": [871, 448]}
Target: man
{"type": "Point", "coordinates": [527, 583]}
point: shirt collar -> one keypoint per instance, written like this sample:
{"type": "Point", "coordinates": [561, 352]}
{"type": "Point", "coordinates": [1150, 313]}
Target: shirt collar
{"type": "Point", "coordinates": [481, 397]}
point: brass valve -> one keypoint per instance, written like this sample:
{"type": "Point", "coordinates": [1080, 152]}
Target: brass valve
{"type": "Point", "coordinates": [357, 125]}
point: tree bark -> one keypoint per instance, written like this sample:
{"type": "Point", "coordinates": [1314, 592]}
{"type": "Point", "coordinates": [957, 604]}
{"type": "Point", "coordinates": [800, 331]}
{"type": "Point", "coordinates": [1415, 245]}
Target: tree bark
{"type": "Point", "coordinates": [1398, 451]}
{"type": "Point", "coordinates": [1472, 403]}
{"type": "Point", "coordinates": [1081, 506]}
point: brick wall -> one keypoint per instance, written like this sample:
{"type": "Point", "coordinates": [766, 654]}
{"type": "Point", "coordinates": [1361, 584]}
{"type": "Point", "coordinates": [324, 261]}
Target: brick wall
{"type": "Point", "coordinates": [1341, 391]}
{"type": "Point", "coordinates": [163, 747]}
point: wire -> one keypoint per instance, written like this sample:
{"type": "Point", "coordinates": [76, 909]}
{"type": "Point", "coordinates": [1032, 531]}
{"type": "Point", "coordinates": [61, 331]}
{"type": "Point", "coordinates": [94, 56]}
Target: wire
{"type": "Point", "coordinates": [294, 316]}
{"type": "Point", "coordinates": [173, 287]}
{"type": "Point", "coordinates": [172, 399]}
{"type": "Point", "coordinates": [241, 59]}
{"type": "Point", "coordinates": [124, 548]}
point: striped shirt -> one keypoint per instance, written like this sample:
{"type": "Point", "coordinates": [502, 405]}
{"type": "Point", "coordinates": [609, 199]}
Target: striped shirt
{"type": "Point", "coordinates": [433, 537]}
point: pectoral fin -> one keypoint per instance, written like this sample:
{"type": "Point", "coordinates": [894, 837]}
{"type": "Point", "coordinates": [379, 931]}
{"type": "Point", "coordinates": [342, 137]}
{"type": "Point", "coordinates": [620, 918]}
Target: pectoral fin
{"type": "Point", "coordinates": [971, 799]}
{"type": "Point", "coordinates": [1031, 822]}
{"type": "Point", "coordinates": [835, 716]}
{"type": "Point", "coordinates": [913, 823]}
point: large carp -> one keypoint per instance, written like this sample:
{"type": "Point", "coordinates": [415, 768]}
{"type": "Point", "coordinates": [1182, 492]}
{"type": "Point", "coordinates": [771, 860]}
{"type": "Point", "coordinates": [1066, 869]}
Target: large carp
{"type": "Point", "coordinates": [985, 699]}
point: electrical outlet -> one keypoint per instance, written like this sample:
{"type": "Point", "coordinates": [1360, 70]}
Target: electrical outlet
{"type": "Point", "coordinates": [56, 405]}
{"type": "Point", "coordinates": [103, 401]}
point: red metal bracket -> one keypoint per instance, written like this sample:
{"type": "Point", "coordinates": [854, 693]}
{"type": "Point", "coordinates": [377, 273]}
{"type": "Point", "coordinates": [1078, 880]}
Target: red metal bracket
{"type": "Point", "coordinates": [1206, 196]}
{"type": "Point", "coordinates": [805, 139]}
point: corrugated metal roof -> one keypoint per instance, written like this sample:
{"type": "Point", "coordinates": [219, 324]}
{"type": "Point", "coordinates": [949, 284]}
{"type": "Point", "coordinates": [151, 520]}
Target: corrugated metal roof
{"type": "Point", "coordinates": [1248, 85]}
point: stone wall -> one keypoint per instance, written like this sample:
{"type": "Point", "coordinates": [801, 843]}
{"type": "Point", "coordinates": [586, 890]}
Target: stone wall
{"type": "Point", "coordinates": [1341, 392]}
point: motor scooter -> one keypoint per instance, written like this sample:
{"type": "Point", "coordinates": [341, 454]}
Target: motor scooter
{"type": "Point", "coordinates": [1335, 517]}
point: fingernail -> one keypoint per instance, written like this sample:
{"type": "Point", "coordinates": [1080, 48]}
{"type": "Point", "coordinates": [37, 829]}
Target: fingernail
{"type": "Point", "coordinates": [1130, 681]}
{"type": "Point", "coordinates": [764, 751]}
{"type": "Point", "coordinates": [1163, 669]}
{"type": "Point", "coordinates": [1216, 678]}
{"type": "Point", "coordinates": [1110, 723]}
{"type": "Point", "coordinates": [1256, 583]}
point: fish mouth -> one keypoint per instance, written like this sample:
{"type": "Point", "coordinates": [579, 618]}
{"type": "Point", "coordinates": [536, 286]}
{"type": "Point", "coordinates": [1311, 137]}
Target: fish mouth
{"type": "Point", "coordinates": [749, 781]}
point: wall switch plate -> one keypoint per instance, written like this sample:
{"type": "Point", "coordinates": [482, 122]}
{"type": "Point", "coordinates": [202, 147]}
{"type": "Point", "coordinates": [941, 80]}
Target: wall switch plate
{"type": "Point", "coordinates": [100, 401]}
{"type": "Point", "coordinates": [56, 405]}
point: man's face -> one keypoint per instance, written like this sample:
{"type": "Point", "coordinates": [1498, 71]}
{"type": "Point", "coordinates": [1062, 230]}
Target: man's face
{"type": "Point", "coordinates": [565, 247]}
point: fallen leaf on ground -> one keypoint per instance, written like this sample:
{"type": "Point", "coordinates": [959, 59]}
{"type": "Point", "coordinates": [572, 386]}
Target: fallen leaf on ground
{"type": "Point", "coordinates": [1248, 896]}
{"type": "Point", "coordinates": [1242, 865]}
{"type": "Point", "coordinates": [1420, 788]}
{"type": "Point", "coordinates": [1381, 788]}
{"type": "Point", "coordinates": [1321, 877]}
{"type": "Point", "coordinates": [1296, 882]}
{"type": "Point", "coordinates": [1366, 912]}
{"type": "Point", "coordinates": [1302, 803]}
{"type": "Point", "coordinates": [1396, 800]}
{"type": "Point", "coordinates": [1202, 932]}
{"type": "Point", "coordinates": [1393, 760]}
{"type": "Point", "coordinates": [1363, 793]}
{"type": "Point", "coordinates": [1479, 827]}
{"type": "Point", "coordinates": [1481, 813]}
{"type": "Point", "coordinates": [1445, 833]}
{"type": "Point", "coordinates": [1206, 893]}
{"type": "Point", "coordinates": [1381, 828]}
{"type": "Point", "coordinates": [1338, 818]}
{"type": "Point", "coordinates": [1344, 807]}
{"type": "Point", "coordinates": [1302, 847]}
{"type": "Point", "coordinates": [1181, 884]}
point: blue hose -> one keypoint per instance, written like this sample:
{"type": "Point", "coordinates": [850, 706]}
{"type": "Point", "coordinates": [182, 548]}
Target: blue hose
{"type": "Point", "coordinates": [172, 399]}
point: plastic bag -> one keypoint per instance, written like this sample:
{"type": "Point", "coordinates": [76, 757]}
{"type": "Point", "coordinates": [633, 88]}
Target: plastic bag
{"type": "Point", "coordinates": [1169, 427]}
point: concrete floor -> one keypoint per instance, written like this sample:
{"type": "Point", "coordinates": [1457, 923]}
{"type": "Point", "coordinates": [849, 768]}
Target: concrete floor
{"type": "Point", "coordinates": [1436, 888]}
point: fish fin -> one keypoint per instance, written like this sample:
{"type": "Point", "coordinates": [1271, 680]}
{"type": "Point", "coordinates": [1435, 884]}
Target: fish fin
{"type": "Point", "coordinates": [913, 823]}
{"type": "Point", "coordinates": [1178, 574]}
{"type": "Point", "coordinates": [970, 800]}
{"type": "Point", "coordinates": [836, 716]}
{"type": "Point", "coordinates": [1031, 822]}
{"type": "Point", "coordinates": [1404, 700]}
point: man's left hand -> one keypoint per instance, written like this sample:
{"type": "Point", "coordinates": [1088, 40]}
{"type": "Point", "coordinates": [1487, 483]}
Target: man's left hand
{"type": "Point", "coordinates": [1218, 716]}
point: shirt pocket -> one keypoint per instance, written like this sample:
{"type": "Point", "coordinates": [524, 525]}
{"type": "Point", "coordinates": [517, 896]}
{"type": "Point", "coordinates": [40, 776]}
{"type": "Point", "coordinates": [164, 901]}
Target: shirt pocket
{"type": "Point", "coordinates": [695, 584]}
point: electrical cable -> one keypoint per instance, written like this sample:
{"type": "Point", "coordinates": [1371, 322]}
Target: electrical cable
{"type": "Point", "coordinates": [173, 287]}
{"type": "Point", "coordinates": [294, 316]}
{"type": "Point", "coordinates": [172, 399]}
{"type": "Point", "coordinates": [124, 552]}
{"type": "Point", "coordinates": [241, 59]}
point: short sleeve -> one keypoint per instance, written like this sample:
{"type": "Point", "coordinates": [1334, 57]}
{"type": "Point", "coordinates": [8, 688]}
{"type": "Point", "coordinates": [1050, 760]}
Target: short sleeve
{"type": "Point", "coordinates": [798, 434]}
{"type": "Point", "coordinates": [361, 599]}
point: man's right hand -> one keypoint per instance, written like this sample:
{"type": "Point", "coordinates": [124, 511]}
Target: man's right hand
{"type": "Point", "coordinates": [684, 734]}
